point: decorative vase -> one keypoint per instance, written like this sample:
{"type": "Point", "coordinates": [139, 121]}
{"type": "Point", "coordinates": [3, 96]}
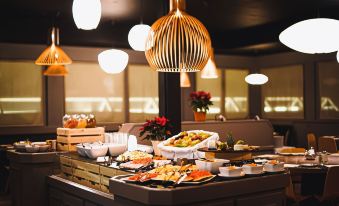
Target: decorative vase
{"type": "Point", "coordinates": [156, 150]}
{"type": "Point", "coordinates": [199, 116]}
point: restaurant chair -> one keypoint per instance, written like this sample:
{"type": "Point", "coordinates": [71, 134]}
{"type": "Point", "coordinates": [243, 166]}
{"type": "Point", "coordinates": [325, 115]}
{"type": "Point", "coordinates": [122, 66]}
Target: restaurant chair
{"type": "Point", "coordinates": [330, 194]}
{"type": "Point", "coordinates": [312, 141]}
{"type": "Point", "coordinates": [327, 144]}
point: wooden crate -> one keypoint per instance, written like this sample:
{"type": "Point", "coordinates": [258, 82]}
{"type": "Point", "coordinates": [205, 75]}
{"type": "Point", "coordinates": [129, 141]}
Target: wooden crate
{"type": "Point", "coordinates": [88, 174]}
{"type": "Point", "coordinates": [67, 138]}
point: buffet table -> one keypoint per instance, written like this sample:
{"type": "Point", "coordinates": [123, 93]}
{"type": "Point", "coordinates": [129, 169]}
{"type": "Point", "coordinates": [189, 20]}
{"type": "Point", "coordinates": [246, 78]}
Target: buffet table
{"type": "Point", "coordinates": [268, 189]}
{"type": "Point", "coordinates": [28, 173]}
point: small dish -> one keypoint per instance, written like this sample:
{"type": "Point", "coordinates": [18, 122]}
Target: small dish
{"type": "Point", "coordinates": [242, 174]}
{"type": "Point", "coordinates": [210, 165]}
{"type": "Point", "coordinates": [274, 166]}
{"type": "Point", "coordinates": [252, 169]}
{"type": "Point", "coordinates": [230, 171]}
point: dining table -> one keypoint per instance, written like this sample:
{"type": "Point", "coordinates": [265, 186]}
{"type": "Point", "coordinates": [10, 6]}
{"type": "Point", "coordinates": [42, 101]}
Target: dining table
{"type": "Point", "coordinates": [308, 175]}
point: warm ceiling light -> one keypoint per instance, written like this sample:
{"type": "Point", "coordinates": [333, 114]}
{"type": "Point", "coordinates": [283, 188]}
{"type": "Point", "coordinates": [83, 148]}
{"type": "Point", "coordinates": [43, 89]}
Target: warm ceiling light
{"type": "Point", "coordinates": [210, 70]}
{"type": "Point", "coordinates": [86, 13]}
{"type": "Point", "coordinates": [184, 80]}
{"type": "Point", "coordinates": [319, 35]}
{"type": "Point", "coordinates": [113, 61]}
{"type": "Point", "coordinates": [53, 55]}
{"type": "Point", "coordinates": [178, 42]}
{"type": "Point", "coordinates": [256, 79]}
{"type": "Point", "coordinates": [338, 56]}
{"type": "Point", "coordinates": [137, 36]}
{"type": "Point", "coordinates": [56, 70]}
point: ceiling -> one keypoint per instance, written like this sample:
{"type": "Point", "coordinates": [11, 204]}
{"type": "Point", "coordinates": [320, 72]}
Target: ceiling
{"type": "Point", "coordinates": [242, 27]}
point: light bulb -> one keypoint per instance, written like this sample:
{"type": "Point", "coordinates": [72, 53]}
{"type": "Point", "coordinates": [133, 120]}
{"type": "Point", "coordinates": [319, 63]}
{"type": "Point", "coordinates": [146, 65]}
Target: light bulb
{"type": "Point", "coordinates": [256, 79]}
{"type": "Point", "coordinates": [137, 36]}
{"type": "Point", "coordinates": [113, 61]}
{"type": "Point", "coordinates": [319, 35]}
{"type": "Point", "coordinates": [86, 13]}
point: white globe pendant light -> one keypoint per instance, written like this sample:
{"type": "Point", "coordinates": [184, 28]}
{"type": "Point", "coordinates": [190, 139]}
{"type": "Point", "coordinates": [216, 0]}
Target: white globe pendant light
{"type": "Point", "coordinates": [113, 61]}
{"type": "Point", "coordinates": [137, 36]}
{"type": "Point", "coordinates": [319, 35]}
{"type": "Point", "coordinates": [338, 56]}
{"type": "Point", "coordinates": [256, 79]}
{"type": "Point", "coordinates": [86, 13]}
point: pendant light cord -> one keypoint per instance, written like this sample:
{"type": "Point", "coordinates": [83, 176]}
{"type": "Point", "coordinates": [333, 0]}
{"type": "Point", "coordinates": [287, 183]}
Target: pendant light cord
{"type": "Point", "coordinates": [142, 12]}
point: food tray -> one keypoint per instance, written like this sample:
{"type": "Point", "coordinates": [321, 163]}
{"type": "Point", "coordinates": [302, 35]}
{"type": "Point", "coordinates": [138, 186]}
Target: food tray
{"type": "Point", "coordinates": [171, 152]}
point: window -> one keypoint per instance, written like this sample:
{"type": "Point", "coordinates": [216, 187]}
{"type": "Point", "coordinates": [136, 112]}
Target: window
{"type": "Point", "coordinates": [328, 89]}
{"type": "Point", "coordinates": [20, 93]}
{"type": "Point", "coordinates": [214, 87]}
{"type": "Point", "coordinates": [282, 95]}
{"type": "Point", "coordinates": [236, 93]}
{"type": "Point", "coordinates": [89, 89]}
{"type": "Point", "coordinates": [143, 93]}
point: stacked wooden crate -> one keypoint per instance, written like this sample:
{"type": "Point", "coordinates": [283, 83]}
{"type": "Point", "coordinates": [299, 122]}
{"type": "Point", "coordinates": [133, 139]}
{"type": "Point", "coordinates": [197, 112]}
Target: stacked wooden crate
{"type": "Point", "coordinates": [68, 138]}
{"type": "Point", "coordinates": [88, 174]}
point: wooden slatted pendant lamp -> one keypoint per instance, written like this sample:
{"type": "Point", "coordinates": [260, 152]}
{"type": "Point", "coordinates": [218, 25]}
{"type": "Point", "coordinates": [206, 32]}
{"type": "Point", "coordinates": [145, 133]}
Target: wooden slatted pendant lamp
{"type": "Point", "coordinates": [56, 70]}
{"type": "Point", "coordinates": [53, 55]}
{"type": "Point", "coordinates": [178, 42]}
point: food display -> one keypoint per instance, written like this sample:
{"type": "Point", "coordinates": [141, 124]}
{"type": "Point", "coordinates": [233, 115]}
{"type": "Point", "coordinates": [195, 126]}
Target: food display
{"type": "Point", "coordinates": [186, 144]}
{"type": "Point", "coordinates": [137, 163]}
{"type": "Point", "coordinates": [252, 168]}
{"type": "Point", "coordinates": [173, 173]}
{"type": "Point", "coordinates": [31, 147]}
{"type": "Point", "coordinates": [274, 166]}
{"type": "Point", "coordinates": [133, 155]}
{"type": "Point", "coordinates": [210, 165]}
{"type": "Point", "coordinates": [92, 150]}
{"type": "Point", "coordinates": [240, 145]}
{"type": "Point", "coordinates": [231, 171]}
{"type": "Point", "coordinates": [187, 139]}
{"type": "Point", "coordinates": [79, 121]}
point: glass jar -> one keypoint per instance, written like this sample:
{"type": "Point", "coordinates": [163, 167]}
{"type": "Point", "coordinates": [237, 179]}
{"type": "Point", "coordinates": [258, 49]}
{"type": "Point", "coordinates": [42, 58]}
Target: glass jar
{"type": "Point", "coordinates": [65, 119]}
{"type": "Point", "coordinates": [91, 121]}
{"type": "Point", "coordinates": [82, 121]}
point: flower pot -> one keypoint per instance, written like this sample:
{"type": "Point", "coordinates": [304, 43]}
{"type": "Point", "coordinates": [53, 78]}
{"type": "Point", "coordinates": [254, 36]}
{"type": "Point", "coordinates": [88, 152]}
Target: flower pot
{"type": "Point", "coordinates": [156, 150]}
{"type": "Point", "coordinates": [199, 116]}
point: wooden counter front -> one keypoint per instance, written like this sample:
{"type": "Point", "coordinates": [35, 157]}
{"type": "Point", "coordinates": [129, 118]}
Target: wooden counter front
{"type": "Point", "coordinates": [263, 190]}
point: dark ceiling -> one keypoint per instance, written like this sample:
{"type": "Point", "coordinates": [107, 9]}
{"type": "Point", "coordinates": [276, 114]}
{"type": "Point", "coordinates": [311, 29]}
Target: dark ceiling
{"type": "Point", "coordinates": [245, 27]}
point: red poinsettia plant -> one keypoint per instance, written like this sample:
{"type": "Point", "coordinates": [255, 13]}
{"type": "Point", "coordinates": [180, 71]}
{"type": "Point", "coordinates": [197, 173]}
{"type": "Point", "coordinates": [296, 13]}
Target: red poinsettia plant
{"type": "Point", "coordinates": [156, 129]}
{"type": "Point", "coordinates": [200, 101]}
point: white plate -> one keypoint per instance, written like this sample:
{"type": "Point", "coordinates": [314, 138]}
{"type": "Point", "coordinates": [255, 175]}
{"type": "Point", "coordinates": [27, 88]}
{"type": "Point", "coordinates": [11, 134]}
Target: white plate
{"type": "Point", "coordinates": [335, 154]}
{"type": "Point", "coordinates": [232, 176]}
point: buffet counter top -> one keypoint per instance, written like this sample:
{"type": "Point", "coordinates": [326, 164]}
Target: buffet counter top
{"type": "Point", "coordinates": [24, 157]}
{"type": "Point", "coordinates": [232, 190]}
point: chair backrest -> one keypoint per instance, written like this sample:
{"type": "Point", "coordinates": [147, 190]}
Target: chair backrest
{"type": "Point", "coordinates": [311, 141]}
{"type": "Point", "coordinates": [327, 144]}
{"type": "Point", "coordinates": [331, 188]}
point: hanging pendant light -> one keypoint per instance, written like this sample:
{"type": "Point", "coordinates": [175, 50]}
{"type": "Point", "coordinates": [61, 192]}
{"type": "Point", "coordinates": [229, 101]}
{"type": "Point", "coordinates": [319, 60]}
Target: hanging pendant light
{"type": "Point", "coordinates": [184, 80]}
{"type": "Point", "coordinates": [137, 36]}
{"type": "Point", "coordinates": [338, 56]}
{"type": "Point", "coordinates": [86, 13]}
{"type": "Point", "coordinates": [319, 35]}
{"type": "Point", "coordinates": [178, 42]}
{"type": "Point", "coordinates": [256, 79]}
{"type": "Point", "coordinates": [56, 70]}
{"type": "Point", "coordinates": [113, 61]}
{"type": "Point", "coordinates": [53, 55]}
{"type": "Point", "coordinates": [210, 70]}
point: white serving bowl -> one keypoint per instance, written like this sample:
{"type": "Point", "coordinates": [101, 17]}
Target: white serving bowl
{"type": "Point", "coordinates": [116, 149]}
{"type": "Point", "coordinates": [32, 149]}
{"type": "Point", "coordinates": [252, 168]}
{"type": "Point", "coordinates": [210, 165]}
{"type": "Point", "coordinates": [238, 147]}
{"type": "Point", "coordinates": [81, 150]}
{"type": "Point", "coordinates": [273, 166]}
{"type": "Point", "coordinates": [96, 151]}
{"type": "Point", "coordinates": [230, 171]}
